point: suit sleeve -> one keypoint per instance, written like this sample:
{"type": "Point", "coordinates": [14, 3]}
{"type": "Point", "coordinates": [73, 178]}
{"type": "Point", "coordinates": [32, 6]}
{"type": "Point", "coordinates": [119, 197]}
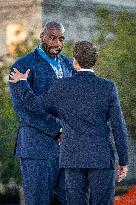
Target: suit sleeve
{"type": "Point", "coordinates": [118, 126]}
{"type": "Point", "coordinates": [16, 102]}
{"type": "Point", "coordinates": [41, 103]}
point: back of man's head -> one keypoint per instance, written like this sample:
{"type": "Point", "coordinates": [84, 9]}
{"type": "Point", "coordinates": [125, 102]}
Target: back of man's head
{"type": "Point", "coordinates": [85, 54]}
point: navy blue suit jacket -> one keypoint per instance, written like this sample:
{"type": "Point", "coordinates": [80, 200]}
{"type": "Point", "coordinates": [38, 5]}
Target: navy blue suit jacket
{"type": "Point", "coordinates": [86, 104]}
{"type": "Point", "coordinates": [37, 133]}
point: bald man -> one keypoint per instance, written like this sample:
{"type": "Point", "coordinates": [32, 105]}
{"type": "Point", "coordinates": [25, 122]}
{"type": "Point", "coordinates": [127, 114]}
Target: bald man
{"type": "Point", "coordinates": [37, 141]}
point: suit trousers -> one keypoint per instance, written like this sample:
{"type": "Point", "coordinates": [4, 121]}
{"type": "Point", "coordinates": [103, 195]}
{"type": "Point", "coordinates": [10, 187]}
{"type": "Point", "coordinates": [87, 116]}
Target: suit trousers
{"type": "Point", "coordinates": [41, 178]}
{"type": "Point", "coordinates": [85, 186]}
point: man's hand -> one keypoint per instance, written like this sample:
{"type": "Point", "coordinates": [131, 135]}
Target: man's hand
{"type": "Point", "coordinates": [121, 172]}
{"type": "Point", "coordinates": [16, 75]}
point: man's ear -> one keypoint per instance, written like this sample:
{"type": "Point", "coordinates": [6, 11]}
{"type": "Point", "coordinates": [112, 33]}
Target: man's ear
{"type": "Point", "coordinates": [42, 36]}
{"type": "Point", "coordinates": [76, 64]}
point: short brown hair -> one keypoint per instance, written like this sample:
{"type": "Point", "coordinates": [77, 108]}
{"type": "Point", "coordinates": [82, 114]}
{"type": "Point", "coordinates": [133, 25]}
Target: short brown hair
{"type": "Point", "coordinates": [85, 54]}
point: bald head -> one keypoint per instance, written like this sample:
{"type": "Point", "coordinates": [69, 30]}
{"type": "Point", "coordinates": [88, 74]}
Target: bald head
{"type": "Point", "coordinates": [53, 25]}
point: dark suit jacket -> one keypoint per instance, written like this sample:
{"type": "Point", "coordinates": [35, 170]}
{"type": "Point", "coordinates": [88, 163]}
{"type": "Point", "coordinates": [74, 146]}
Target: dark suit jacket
{"type": "Point", "coordinates": [86, 104]}
{"type": "Point", "coordinates": [37, 133]}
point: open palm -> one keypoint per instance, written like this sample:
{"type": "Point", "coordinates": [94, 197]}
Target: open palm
{"type": "Point", "coordinates": [16, 75]}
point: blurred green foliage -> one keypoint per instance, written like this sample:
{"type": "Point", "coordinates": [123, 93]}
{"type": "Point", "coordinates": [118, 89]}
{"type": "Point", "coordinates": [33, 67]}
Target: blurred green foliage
{"type": "Point", "coordinates": [117, 58]}
{"type": "Point", "coordinates": [8, 128]}
{"type": "Point", "coordinates": [67, 50]}
{"type": "Point", "coordinates": [26, 46]}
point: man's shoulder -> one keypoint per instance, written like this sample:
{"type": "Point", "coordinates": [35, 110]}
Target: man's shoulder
{"type": "Point", "coordinates": [105, 81]}
{"type": "Point", "coordinates": [98, 80]}
{"type": "Point", "coordinates": [27, 59]}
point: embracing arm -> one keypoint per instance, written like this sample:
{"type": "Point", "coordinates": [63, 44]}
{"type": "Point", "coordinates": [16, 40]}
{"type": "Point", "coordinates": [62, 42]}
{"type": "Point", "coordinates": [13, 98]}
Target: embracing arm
{"type": "Point", "coordinates": [34, 103]}
{"type": "Point", "coordinates": [24, 92]}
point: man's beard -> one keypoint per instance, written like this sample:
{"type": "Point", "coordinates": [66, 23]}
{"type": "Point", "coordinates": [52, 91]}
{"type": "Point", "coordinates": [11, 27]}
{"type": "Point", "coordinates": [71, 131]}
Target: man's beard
{"type": "Point", "coordinates": [51, 51]}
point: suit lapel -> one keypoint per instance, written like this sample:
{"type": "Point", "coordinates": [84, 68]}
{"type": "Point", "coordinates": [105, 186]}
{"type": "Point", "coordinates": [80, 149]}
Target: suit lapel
{"type": "Point", "coordinates": [48, 70]}
{"type": "Point", "coordinates": [66, 67]}
{"type": "Point", "coordinates": [45, 67]}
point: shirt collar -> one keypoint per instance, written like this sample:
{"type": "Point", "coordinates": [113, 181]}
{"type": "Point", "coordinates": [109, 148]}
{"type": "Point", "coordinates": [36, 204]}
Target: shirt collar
{"type": "Point", "coordinates": [53, 61]}
{"type": "Point", "coordinates": [86, 69]}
